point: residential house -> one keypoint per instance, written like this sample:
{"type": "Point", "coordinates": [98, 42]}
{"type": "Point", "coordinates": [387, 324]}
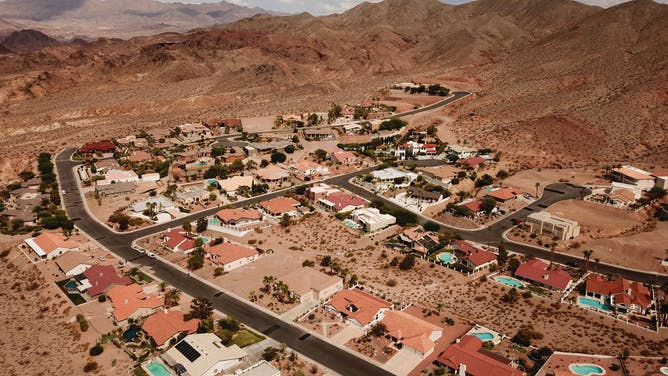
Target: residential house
{"type": "Point", "coordinates": [115, 190]}
{"type": "Point", "coordinates": [412, 333]}
{"type": "Point", "coordinates": [420, 241]}
{"type": "Point", "coordinates": [319, 134]}
{"type": "Point", "coordinates": [309, 285]}
{"type": "Point", "coordinates": [353, 128]}
{"type": "Point", "coordinates": [139, 156]}
{"type": "Point", "coordinates": [132, 302]}
{"type": "Point", "coordinates": [360, 309]}
{"type": "Point", "coordinates": [239, 219]}
{"type": "Point", "coordinates": [279, 206]}
{"type": "Point", "coordinates": [100, 278]}
{"type": "Point", "coordinates": [163, 326]}
{"type": "Point", "coordinates": [234, 153]}
{"type": "Point", "coordinates": [621, 197]}
{"type": "Point", "coordinates": [202, 355]}
{"type": "Point", "coordinates": [634, 176]}
{"type": "Point", "coordinates": [230, 256]}
{"type": "Point", "coordinates": [319, 191]}
{"type": "Point", "coordinates": [473, 257]}
{"type": "Point", "coordinates": [306, 168]}
{"type": "Point", "coordinates": [475, 206]}
{"type": "Point", "coordinates": [74, 263]}
{"type": "Point", "coordinates": [158, 203]}
{"type": "Point", "coordinates": [119, 176]}
{"type": "Point", "coordinates": [424, 195]}
{"type": "Point", "coordinates": [262, 368]}
{"type": "Point", "coordinates": [193, 133]}
{"type": "Point", "coordinates": [344, 157]}
{"type": "Point", "coordinates": [546, 223]}
{"type": "Point", "coordinates": [177, 240]}
{"type": "Point", "coordinates": [471, 163]}
{"type": "Point", "coordinates": [103, 166]}
{"type": "Point", "coordinates": [132, 140]}
{"type": "Point", "coordinates": [626, 296]}
{"type": "Point", "coordinates": [394, 175]}
{"type": "Point", "coordinates": [371, 219]}
{"type": "Point", "coordinates": [233, 183]}
{"type": "Point", "coordinates": [97, 147]}
{"type": "Point", "coordinates": [504, 194]}
{"type": "Point", "coordinates": [661, 179]}
{"type": "Point", "coordinates": [462, 152]}
{"type": "Point", "coordinates": [51, 244]}
{"type": "Point", "coordinates": [342, 202]}
{"type": "Point", "coordinates": [538, 272]}
{"type": "Point", "coordinates": [468, 357]}
{"type": "Point", "coordinates": [191, 194]}
{"type": "Point", "coordinates": [28, 217]}
{"type": "Point", "coordinates": [272, 174]}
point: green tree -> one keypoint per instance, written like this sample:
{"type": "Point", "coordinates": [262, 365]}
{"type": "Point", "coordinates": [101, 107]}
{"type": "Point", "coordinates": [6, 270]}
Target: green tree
{"type": "Point", "coordinates": [484, 181]}
{"type": "Point", "coordinates": [408, 262]}
{"type": "Point", "coordinates": [202, 224]}
{"type": "Point", "coordinates": [289, 149]}
{"type": "Point", "coordinates": [195, 261]}
{"type": "Point", "coordinates": [187, 226]}
{"type": "Point", "coordinates": [488, 205]}
{"type": "Point", "coordinates": [201, 308]}
{"type": "Point", "coordinates": [378, 330]}
{"type": "Point", "coordinates": [123, 223]}
{"type": "Point", "coordinates": [278, 157]}
{"type": "Point", "coordinates": [334, 113]}
{"type": "Point", "coordinates": [320, 154]}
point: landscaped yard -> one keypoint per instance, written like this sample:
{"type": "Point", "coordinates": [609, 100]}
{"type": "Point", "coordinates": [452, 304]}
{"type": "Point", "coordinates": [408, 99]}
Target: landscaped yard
{"type": "Point", "coordinates": [246, 338]}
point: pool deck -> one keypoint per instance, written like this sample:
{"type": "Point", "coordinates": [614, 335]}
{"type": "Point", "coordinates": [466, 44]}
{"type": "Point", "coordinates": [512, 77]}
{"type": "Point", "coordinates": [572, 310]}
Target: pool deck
{"type": "Point", "coordinates": [559, 361]}
{"type": "Point", "coordinates": [496, 336]}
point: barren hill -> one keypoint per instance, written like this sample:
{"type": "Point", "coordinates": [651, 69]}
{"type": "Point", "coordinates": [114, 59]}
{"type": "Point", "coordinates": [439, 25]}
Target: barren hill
{"type": "Point", "coordinates": [118, 18]}
{"type": "Point", "coordinates": [555, 80]}
{"type": "Point", "coordinates": [27, 40]}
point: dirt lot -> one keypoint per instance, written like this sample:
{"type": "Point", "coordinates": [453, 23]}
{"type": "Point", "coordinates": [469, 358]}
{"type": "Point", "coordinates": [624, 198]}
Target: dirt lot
{"type": "Point", "coordinates": [526, 180]}
{"type": "Point", "coordinates": [41, 335]}
{"type": "Point", "coordinates": [597, 220]}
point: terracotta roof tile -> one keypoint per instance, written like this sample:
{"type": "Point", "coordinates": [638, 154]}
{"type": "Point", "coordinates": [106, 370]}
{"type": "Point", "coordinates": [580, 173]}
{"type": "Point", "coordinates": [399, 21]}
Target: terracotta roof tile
{"type": "Point", "coordinates": [163, 325]}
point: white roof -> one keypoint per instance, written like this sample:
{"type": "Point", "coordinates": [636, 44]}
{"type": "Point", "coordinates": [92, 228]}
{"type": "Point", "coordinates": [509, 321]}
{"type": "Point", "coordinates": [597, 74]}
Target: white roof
{"type": "Point", "coordinates": [210, 349]}
{"type": "Point", "coordinates": [372, 215]}
{"type": "Point", "coordinates": [461, 149]}
{"type": "Point", "coordinates": [392, 173]}
{"type": "Point", "coordinates": [548, 217]}
{"type": "Point", "coordinates": [260, 369]}
{"type": "Point", "coordinates": [31, 243]}
{"type": "Point", "coordinates": [160, 203]}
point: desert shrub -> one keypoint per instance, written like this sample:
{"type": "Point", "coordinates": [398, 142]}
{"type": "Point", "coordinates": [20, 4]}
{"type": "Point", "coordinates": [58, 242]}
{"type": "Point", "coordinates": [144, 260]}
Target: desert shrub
{"type": "Point", "coordinates": [391, 282]}
{"type": "Point", "coordinates": [102, 298]}
{"type": "Point", "coordinates": [96, 350]}
{"type": "Point", "coordinates": [90, 367]}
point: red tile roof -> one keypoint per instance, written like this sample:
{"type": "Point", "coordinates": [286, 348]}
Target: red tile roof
{"type": "Point", "coordinates": [163, 325]}
{"type": "Point", "coordinates": [279, 205]}
{"type": "Point", "coordinates": [341, 200]}
{"type": "Point", "coordinates": [228, 215]}
{"type": "Point", "coordinates": [50, 241]}
{"type": "Point", "coordinates": [624, 291]}
{"type": "Point", "coordinates": [475, 206]}
{"type": "Point", "coordinates": [410, 330]}
{"type": "Point", "coordinates": [177, 239]}
{"type": "Point", "coordinates": [102, 277]}
{"type": "Point", "coordinates": [504, 194]}
{"type": "Point", "coordinates": [127, 300]}
{"type": "Point", "coordinates": [536, 270]}
{"type": "Point", "coordinates": [367, 306]}
{"type": "Point", "coordinates": [225, 253]}
{"type": "Point", "coordinates": [479, 257]}
{"type": "Point", "coordinates": [471, 162]}
{"type": "Point", "coordinates": [99, 146]}
{"type": "Point", "coordinates": [477, 364]}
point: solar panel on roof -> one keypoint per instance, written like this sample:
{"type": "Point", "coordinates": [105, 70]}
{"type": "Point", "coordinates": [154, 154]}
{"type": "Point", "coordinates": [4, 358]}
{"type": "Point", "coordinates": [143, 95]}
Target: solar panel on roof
{"type": "Point", "coordinates": [188, 351]}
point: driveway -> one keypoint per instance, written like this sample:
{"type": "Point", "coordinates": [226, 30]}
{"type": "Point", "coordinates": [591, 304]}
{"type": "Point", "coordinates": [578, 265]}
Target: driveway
{"type": "Point", "coordinates": [345, 335]}
{"type": "Point", "coordinates": [403, 362]}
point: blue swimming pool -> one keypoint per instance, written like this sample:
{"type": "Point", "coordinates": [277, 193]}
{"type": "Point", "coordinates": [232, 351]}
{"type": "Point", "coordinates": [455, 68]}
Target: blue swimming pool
{"type": "Point", "coordinates": [447, 257]}
{"type": "Point", "coordinates": [157, 369]}
{"type": "Point", "coordinates": [512, 282]}
{"type": "Point", "coordinates": [586, 369]}
{"type": "Point", "coordinates": [664, 370]}
{"type": "Point", "coordinates": [486, 336]}
{"type": "Point", "coordinates": [594, 303]}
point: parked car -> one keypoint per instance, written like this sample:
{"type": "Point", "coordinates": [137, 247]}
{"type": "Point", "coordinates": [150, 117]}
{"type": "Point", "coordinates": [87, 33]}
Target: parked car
{"type": "Point", "coordinates": [150, 254]}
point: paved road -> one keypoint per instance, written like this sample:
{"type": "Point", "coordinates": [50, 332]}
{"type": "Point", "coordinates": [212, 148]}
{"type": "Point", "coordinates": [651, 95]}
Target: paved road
{"type": "Point", "coordinates": [493, 235]}
{"type": "Point", "coordinates": [294, 337]}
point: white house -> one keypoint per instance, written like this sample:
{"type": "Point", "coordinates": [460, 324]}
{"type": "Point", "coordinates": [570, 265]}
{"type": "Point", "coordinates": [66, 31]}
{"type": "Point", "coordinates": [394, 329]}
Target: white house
{"type": "Point", "coordinates": [462, 152]}
{"type": "Point", "coordinates": [633, 176]}
{"type": "Point", "coordinates": [74, 263]}
{"type": "Point", "coordinates": [202, 355]}
{"type": "Point", "coordinates": [159, 203]}
{"type": "Point", "coordinates": [390, 174]}
{"type": "Point", "coordinates": [50, 245]}
{"type": "Point", "coordinates": [119, 176]}
{"type": "Point", "coordinates": [231, 256]}
{"type": "Point", "coordinates": [371, 219]}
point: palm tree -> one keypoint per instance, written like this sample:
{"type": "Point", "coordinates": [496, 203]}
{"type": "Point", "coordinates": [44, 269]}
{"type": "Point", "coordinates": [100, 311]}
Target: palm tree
{"type": "Point", "coordinates": [163, 285]}
{"type": "Point", "coordinates": [587, 254]}
{"type": "Point", "coordinates": [201, 308]}
{"type": "Point", "coordinates": [596, 261]}
{"type": "Point", "coordinates": [537, 187]}
{"type": "Point", "coordinates": [552, 247]}
{"type": "Point", "coordinates": [172, 297]}
{"type": "Point", "coordinates": [439, 308]}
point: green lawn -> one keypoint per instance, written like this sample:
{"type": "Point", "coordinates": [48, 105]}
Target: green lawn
{"type": "Point", "coordinates": [246, 338]}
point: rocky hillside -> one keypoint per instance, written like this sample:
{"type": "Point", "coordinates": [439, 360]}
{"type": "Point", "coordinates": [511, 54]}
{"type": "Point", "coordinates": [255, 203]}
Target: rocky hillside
{"type": "Point", "coordinates": [547, 74]}
{"type": "Point", "coordinates": [117, 18]}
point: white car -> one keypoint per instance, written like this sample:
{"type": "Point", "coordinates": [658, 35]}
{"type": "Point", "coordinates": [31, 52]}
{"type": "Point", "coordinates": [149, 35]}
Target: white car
{"type": "Point", "coordinates": [150, 254]}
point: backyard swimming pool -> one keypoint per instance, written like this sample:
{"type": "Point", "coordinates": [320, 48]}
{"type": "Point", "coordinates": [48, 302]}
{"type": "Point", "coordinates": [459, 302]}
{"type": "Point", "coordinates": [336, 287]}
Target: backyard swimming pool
{"type": "Point", "coordinates": [586, 369]}
{"type": "Point", "coordinates": [594, 303]}
{"type": "Point", "coordinates": [664, 370]}
{"type": "Point", "coordinates": [484, 336]}
{"type": "Point", "coordinates": [512, 282]}
{"type": "Point", "coordinates": [447, 258]}
{"type": "Point", "coordinates": [157, 369]}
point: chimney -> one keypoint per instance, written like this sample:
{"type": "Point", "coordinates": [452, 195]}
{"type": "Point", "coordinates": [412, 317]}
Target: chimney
{"type": "Point", "coordinates": [628, 291]}
{"type": "Point", "coordinates": [546, 276]}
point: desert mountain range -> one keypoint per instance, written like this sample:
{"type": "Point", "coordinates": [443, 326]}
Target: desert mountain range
{"type": "Point", "coordinates": [556, 82]}
{"type": "Point", "coordinates": [115, 18]}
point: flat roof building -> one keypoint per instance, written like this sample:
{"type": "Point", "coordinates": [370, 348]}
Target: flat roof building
{"type": "Point", "coordinates": [371, 219]}
{"type": "Point", "coordinates": [202, 355]}
{"type": "Point", "coordinates": [546, 223]}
